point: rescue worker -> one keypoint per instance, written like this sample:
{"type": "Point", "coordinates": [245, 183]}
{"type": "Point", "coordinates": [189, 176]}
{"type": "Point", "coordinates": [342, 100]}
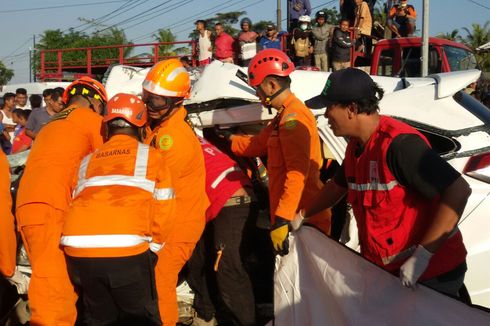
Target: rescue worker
{"type": "Point", "coordinates": [123, 200]}
{"type": "Point", "coordinates": [290, 141]}
{"type": "Point", "coordinates": [406, 199]}
{"type": "Point", "coordinates": [164, 90]}
{"type": "Point", "coordinates": [218, 277]}
{"type": "Point", "coordinates": [8, 246]}
{"type": "Point", "coordinates": [45, 193]}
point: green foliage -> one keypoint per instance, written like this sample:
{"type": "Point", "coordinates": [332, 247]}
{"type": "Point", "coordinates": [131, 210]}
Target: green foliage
{"type": "Point", "coordinates": [451, 36]}
{"type": "Point", "coordinates": [261, 26]}
{"type": "Point", "coordinates": [227, 19]}
{"type": "Point", "coordinates": [6, 74]}
{"type": "Point", "coordinates": [56, 39]}
{"type": "Point", "coordinates": [477, 36]}
{"type": "Point", "coordinates": [332, 16]}
{"type": "Point", "coordinates": [168, 50]}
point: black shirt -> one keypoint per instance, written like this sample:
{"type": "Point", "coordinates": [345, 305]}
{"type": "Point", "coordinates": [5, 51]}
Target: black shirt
{"type": "Point", "coordinates": [414, 165]}
{"type": "Point", "coordinates": [341, 44]}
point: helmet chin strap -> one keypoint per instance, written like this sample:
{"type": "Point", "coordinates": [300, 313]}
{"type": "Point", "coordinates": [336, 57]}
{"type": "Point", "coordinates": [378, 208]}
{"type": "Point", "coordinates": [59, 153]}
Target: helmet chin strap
{"type": "Point", "coordinates": [268, 99]}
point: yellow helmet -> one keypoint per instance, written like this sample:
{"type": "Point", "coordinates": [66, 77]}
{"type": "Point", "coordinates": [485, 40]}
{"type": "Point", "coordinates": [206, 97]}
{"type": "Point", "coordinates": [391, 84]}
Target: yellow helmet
{"type": "Point", "coordinates": [168, 78]}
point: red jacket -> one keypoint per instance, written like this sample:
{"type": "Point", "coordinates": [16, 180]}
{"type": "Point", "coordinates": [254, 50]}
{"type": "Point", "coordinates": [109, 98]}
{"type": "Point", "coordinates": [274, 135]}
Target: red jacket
{"type": "Point", "coordinates": [224, 46]}
{"type": "Point", "coordinates": [391, 218]}
{"type": "Point", "coordinates": [223, 178]}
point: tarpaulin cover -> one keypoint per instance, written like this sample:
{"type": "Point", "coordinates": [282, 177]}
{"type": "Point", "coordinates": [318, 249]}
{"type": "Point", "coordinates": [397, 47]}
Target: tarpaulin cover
{"type": "Point", "coordinates": [320, 282]}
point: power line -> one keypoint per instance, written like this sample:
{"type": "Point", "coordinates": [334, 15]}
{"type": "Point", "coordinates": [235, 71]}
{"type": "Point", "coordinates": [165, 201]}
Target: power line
{"type": "Point", "coordinates": [188, 19]}
{"type": "Point", "coordinates": [13, 53]}
{"type": "Point", "coordinates": [127, 9]}
{"type": "Point", "coordinates": [321, 5]}
{"type": "Point", "coordinates": [244, 7]}
{"type": "Point", "coordinates": [157, 13]}
{"type": "Point", "coordinates": [58, 7]}
{"type": "Point", "coordinates": [134, 17]}
{"type": "Point", "coordinates": [100, 19]}
{"type": "Point", "coordinates": [479, 4]}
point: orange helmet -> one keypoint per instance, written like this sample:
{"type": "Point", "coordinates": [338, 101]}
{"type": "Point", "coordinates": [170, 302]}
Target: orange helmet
{"type": "Point", "coordinates": [128, 107]}
{"type": "Point", "coordinates": [168, 78]}
{"type": "Point", "coordinates": [85, 86]}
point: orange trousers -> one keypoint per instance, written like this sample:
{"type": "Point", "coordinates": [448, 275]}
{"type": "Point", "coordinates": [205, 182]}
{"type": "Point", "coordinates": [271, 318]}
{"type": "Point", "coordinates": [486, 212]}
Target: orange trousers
{"type": "Point", "coordinates": [52, 297]}
{"type": "Point", "coordinates": [171, 259]}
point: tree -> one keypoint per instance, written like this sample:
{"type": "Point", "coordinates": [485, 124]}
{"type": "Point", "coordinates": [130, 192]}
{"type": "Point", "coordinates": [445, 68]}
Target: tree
{"type": "Point", "coordinates": [168, 50]}
{"type": "Point", "coordinates": [261, 26]}
{"type": "Point", "coordinates": [332, 16]}
{"type": "Point", "coordinates": [56, 39]}
{"type": "Point", "coordinates": [6, 74]}
{"type": "Point", "coordinates": [452, 36]}
{"type": "Point", "coordinates": [479, 35]}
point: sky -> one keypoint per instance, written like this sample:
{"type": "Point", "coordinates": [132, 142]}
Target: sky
{"type": "Point", "coordinates": [20, 20]}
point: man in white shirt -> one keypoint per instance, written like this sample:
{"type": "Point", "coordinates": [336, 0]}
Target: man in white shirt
{"type": "Point", "coordinates": [204, 45]}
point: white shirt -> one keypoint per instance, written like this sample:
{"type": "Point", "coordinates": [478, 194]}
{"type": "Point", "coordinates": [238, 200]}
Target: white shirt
{"type": "Point", "coordinates": [204, 46]}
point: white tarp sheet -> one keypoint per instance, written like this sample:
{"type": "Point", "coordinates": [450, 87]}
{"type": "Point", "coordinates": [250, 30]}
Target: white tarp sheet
{"type": "Point", "coordinates": [323, 283]}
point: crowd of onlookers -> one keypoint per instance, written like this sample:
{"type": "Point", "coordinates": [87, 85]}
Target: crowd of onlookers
{"type": "Point", "coordinates": [309, 43]}
{"type": "Point", "coordinates": [21, 117]}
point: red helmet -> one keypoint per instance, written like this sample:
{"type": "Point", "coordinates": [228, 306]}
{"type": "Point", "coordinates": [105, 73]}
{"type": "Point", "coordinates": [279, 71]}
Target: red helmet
{"type": "Point", "coordinates": [266, 63]}
{"type": "Point", "coordinates": [128, 107]}
{"type": "Point", "coordinates": [85, 86]}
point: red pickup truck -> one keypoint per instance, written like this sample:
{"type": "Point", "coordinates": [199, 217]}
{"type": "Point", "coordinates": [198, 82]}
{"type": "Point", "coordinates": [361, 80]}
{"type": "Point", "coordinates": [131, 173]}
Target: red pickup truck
{"type": "Point", "coordinates": [402, 57]}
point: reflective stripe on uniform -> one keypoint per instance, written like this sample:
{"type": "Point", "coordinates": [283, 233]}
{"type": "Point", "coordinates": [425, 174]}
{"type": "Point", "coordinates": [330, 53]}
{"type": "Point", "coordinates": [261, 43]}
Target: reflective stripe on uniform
{"type": "Point", "coordinates": [116, 180]}
{"type": "Point", "coordinates": [103, 241]}
{"type": "Point", "coordinates": [372, 186]}
{"type": "Point", "coordinates": [137, 180]}
{"type": "Point", "coordinates": [141, 162]}
{"type": "Point", "coordinates": [164, 193]}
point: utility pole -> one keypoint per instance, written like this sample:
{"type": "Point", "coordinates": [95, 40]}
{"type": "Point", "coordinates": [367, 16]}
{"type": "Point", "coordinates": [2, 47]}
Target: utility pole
{"type": "Point", "coordinates": [288, 14]}
{"type": "Point", "coordinates": [32, 52]}
{"type": "Point", "coordinates": [425, 39]}
{"type": "Point", "coordinates": [30, 65]}
{"type": "Point", "coordinates": [279, 15]}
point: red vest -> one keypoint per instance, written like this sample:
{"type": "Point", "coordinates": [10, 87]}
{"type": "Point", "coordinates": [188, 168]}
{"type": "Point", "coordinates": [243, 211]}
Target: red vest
{"type": "Point", "coordinates": [223, 178]}
{"type": "Point", "coordinates": [391, 218]}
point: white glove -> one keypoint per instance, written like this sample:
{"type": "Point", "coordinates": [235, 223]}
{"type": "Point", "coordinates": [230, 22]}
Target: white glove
{"type": "Point", "coordinates": [156, 247]}
{"type": "Point", "coordinates": [20, 281]}
{"type": "Point", "coordinates": [414, 267]}
{"type": "Point", "coordinates": [297, 221]}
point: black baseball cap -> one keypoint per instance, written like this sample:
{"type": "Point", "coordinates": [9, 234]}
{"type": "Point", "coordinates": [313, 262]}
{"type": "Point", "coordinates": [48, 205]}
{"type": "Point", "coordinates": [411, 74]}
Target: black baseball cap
{"type": "Point", "coordinates": [270, 27]}
{"type": "Point", "coordinates": [344, 86]}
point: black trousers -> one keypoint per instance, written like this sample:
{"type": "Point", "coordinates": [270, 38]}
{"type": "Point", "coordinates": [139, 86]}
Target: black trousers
{"type": "Point", "coordinates": [245, 272]}
{"type": "Point", "coordinates": [116, 291]}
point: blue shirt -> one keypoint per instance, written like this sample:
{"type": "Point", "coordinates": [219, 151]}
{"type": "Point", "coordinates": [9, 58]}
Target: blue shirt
{"type": "Point", "coordinates": [265, 43]}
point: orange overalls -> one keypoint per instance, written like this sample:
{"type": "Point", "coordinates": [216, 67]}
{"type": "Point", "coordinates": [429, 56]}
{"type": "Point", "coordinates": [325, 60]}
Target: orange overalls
{"type": "Point", "coordinates": [182, 152]}
{"type": "Point", "coordinates": [292, 145]}
{"type": "Point", "coordinates": [8, 244]}
{"type": "Point", "coordinates": [44, 195]}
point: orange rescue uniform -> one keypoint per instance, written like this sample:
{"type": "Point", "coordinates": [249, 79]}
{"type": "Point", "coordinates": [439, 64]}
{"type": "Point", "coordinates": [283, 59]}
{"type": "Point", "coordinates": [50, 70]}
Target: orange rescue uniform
{"type": "Point", "coordinates": [123, 200]}
{"type": "Point", "coordinates": [8, 244]}
{"type": "Point", "coordinates": [182, 152]}
{"type": "Point", "coordinates": [292, 145]}
{"type": "Point", "coordinates": [42, 200]}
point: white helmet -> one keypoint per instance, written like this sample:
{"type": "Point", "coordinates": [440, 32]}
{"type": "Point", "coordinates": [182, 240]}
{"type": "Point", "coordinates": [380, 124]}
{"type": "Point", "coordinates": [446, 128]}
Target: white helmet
{"type": "Point", "coordinates": [304, 19]}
